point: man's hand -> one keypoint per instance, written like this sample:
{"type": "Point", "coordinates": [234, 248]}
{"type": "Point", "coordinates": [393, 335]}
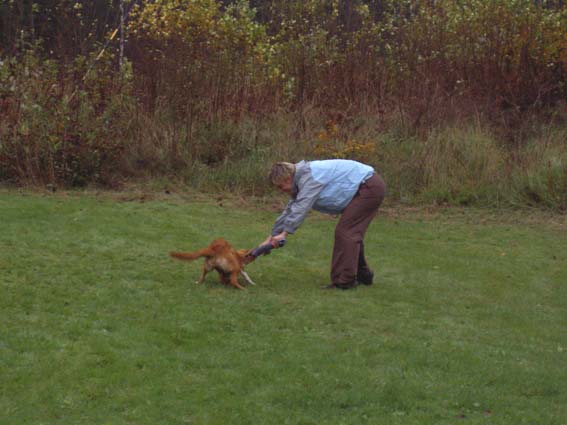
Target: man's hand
{"type": "Point", "coordinates": [275, 240]}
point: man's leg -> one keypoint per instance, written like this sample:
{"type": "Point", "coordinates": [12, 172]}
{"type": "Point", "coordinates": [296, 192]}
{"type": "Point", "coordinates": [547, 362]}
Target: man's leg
{"type": "Point", "coordinates": [364, 274]}
{"type": "Point", "coordinates": [350, 231]}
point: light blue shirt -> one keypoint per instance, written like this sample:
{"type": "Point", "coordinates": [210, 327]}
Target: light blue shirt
{"type": "Point", "coordinates": [327, 186]}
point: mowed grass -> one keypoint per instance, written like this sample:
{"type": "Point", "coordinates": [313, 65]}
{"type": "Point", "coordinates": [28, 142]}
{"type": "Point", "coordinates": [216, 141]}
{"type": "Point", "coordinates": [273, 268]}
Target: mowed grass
{"type": "Point", "coordinates": [467, 321]}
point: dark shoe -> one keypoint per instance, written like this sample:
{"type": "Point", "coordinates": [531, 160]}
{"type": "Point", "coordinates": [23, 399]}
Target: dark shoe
{"type": "Point", "coordinates": [348, 285]}
{"type": "Point", "coordinates": [366, 278]}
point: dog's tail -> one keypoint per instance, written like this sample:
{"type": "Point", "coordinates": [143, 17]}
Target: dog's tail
{"type": "Point", "coordinates": [190, 256]}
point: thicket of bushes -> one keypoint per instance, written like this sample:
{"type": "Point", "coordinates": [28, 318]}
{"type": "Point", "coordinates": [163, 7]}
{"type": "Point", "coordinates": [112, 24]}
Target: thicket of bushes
{"type": "Point", "coordinates": [453, 101]}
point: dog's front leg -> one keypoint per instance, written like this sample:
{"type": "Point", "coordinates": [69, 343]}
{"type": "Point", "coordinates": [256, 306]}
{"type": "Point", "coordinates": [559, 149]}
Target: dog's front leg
{"type": "Point", "coordinates": [246, 277]}
{"type": "Point", "coordinates": [203, 274]}
{"type": "Point", "coordinates": [234, 281]}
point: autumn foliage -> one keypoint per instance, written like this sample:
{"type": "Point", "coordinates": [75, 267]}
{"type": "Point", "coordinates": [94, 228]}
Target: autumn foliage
{"type": "Point", "coordinates": [422, 57]}
{"type": "Point", "coordinates": [207, 82]}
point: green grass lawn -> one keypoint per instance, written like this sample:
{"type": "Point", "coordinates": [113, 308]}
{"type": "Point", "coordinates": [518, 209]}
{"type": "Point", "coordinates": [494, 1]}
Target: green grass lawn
{"type": "Point", "coordinates": [467, 321]}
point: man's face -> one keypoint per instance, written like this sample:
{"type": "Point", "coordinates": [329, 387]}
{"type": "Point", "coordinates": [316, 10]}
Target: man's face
{"type": "Point", "coordinates": [285, 186]}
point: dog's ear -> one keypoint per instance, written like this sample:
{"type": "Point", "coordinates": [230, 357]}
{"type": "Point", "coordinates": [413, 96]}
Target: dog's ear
{"type": "Point", "coordinates": [242, 252]}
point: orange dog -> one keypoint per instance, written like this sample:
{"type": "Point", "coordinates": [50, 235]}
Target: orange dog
{"type": "Point", "coordinates": [219, 255]}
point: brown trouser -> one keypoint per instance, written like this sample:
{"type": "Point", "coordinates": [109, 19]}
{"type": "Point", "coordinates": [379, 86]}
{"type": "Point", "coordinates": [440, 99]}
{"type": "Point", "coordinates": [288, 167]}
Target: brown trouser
{"type": "Point", "coordinates": [348, 251]}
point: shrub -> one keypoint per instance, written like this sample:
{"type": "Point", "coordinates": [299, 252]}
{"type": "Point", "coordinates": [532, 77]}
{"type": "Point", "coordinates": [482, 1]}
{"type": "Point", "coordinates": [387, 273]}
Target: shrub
{"type": "Point", "coordinates": [63, 125]}
{"type": "Point", "coordinates": [204, 61]}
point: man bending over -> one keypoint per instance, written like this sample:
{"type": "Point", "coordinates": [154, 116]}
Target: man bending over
{"type": "Point", "coordinates": [335, 186]}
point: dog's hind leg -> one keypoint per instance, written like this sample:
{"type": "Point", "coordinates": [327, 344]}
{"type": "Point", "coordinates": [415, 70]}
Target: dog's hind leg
{"type": "Point", "coordinates": [246, 277]}
{"type": "Point", "coordinates": [234, 281]}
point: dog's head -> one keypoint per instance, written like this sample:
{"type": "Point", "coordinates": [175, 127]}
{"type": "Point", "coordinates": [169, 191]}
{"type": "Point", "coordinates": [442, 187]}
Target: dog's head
{"type": "Point", "coordinates": [245, 256]}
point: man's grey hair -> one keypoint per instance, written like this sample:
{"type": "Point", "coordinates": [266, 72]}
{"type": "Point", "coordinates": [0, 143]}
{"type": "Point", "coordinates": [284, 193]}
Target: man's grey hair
{"type": "Point", "coordinates": [281, 171]}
